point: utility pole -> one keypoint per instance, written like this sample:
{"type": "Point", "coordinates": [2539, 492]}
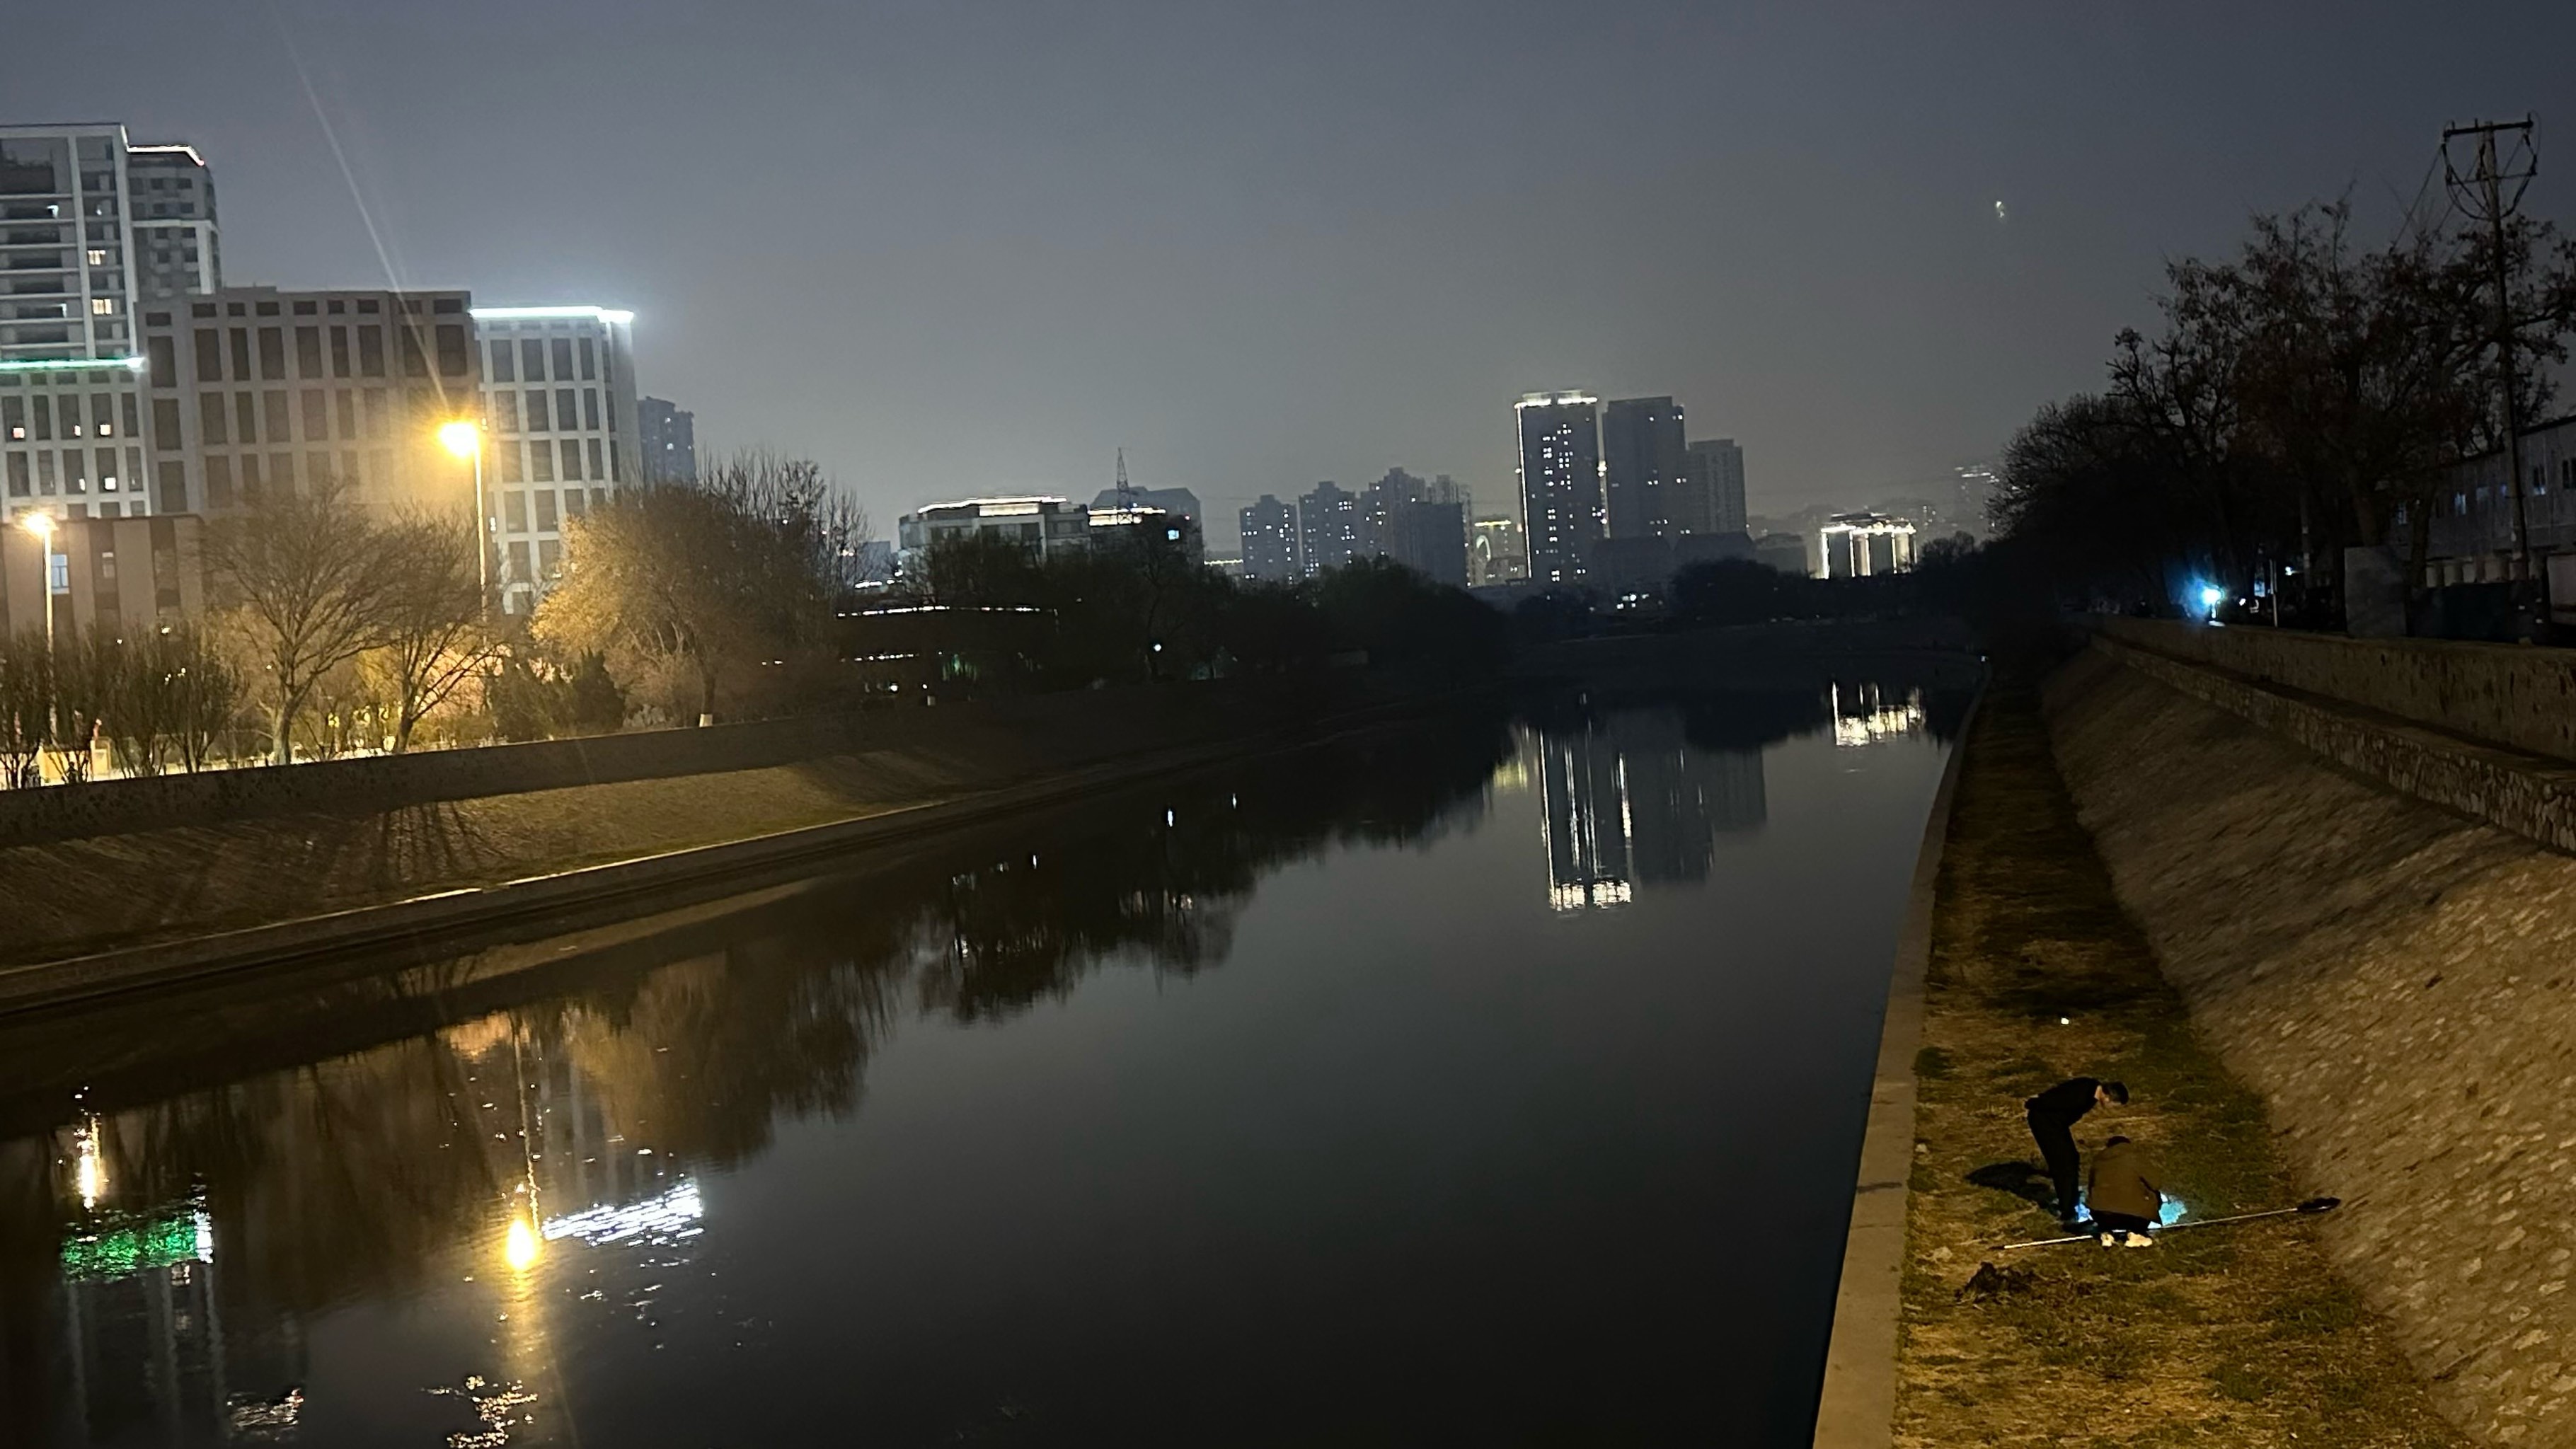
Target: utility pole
{"type": "Point", "coordinates": [2489, 192]}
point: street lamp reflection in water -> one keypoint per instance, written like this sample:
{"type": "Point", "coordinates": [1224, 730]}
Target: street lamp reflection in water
{"type": "Point", "coordinates": [520, 1245]}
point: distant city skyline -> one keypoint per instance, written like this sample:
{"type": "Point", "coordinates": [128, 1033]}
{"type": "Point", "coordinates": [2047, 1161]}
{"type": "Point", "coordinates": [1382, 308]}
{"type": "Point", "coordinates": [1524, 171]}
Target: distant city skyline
{"type": "Point", "coordinates": [999, 247]}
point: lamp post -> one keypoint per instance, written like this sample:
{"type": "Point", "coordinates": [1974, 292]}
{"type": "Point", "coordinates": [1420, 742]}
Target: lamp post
{"type": "Point", "coordinates": [465, 440]}
{"type": "Point", "coordinates": [41, 524]}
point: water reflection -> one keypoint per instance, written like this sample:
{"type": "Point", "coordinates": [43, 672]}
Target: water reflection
{"type": "Point", "coordinates": [1869, 713]}
{"type": "Point", "coordinates": [1628, 801]}
{"type": "Point", "coordinates": [542, 1168]}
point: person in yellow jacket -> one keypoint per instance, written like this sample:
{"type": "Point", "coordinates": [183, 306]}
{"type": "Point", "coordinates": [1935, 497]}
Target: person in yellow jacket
{"type": "Point", "coordinates": [2122, 1194]}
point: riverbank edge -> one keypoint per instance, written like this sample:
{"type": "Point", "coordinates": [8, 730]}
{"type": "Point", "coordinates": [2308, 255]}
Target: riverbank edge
{"type": "Point", "coordinates": [2040, 969]}
{"type": "Point", "coordinates": [662, 878]}
{"type": "Point", "coordinates": [1856, 1407]}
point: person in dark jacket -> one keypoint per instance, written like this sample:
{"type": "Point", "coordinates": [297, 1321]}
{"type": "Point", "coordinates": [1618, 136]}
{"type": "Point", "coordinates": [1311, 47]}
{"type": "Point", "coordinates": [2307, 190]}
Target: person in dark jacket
{"type": "Point", "coordinates": [2053, 1115]}
{"type": "Point", "coordinates": [2122, 1194]}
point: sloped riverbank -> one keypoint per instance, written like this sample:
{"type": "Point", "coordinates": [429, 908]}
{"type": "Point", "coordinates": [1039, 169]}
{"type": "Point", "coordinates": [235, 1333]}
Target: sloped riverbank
{"type": "Point", "coordinates": [2397, 981]}
{"type": "Point", "coordinates": [2234, 1336]}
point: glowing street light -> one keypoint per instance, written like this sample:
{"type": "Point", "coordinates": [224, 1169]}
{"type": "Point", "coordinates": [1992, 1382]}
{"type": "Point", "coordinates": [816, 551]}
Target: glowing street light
{"type": "Point", "coordinates": [465, 439]}
{"type": "Point", "coordinates": [41, 524]}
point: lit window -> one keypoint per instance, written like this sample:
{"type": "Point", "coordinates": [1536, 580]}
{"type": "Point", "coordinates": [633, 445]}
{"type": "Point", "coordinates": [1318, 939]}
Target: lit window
{"type": "Point", "coordinates": [102, 306]}
{"type": "Point", "coordinates": [97, 257]}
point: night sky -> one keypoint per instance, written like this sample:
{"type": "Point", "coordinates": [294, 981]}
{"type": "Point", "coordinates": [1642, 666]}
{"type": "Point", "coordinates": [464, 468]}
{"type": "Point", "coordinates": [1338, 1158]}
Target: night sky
{"type": "Point", "coordinates": [965, 248]}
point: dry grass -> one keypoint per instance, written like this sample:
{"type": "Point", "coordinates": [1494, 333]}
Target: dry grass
{"type": "Point", "coordinates": [2233, 1336]}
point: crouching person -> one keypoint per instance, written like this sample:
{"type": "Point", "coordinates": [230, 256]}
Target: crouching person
{"type": "Point", "coordinates": [2123, 1195]}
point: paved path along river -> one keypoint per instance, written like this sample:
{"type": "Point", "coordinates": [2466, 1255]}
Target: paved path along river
{"type": "Point", "coordinates": [1488, 1081]}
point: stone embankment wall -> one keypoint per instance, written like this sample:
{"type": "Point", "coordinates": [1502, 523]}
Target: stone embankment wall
{"type": "Point", "coordinates": [1064, 725]}
{"type": "Point", "coordinates": [2511, 695]}
{"type": "Point", "coordinates": [100, 891]}
{"type": "Point", "coordinates": [2397, 979]}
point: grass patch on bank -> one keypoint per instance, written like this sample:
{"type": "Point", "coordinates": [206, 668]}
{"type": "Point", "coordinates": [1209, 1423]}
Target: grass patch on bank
{"type": "Point", "coordinates": [2235, 1335]}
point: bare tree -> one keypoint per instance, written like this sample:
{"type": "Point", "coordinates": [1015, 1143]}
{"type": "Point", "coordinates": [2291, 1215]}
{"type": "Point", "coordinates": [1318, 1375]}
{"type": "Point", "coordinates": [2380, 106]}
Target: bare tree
{"type": "Point", "coordinates": [26, 707]}
{"type": "Point", "coordinates": [705, 583]}
{"type": "Point", "coordinates": [436, 637]}
{"type": "Point", "coordinates": [306, 583]}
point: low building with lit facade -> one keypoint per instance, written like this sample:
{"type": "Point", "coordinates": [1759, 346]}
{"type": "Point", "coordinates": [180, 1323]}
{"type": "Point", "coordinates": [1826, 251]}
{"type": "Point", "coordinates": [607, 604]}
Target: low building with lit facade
{"type": "Point", "coordinates": [115, 574]}
{"type": "Point", "coordinates": [1496, 554]}
{"type": "Point", "coordinates": [1043, 525]}
{"type": "Point", "coordinates": [1863, 545]}
{"type": "Point", "coordinates": [2473, 539]}
{"type": "Point", "coordinates": [561, 431]}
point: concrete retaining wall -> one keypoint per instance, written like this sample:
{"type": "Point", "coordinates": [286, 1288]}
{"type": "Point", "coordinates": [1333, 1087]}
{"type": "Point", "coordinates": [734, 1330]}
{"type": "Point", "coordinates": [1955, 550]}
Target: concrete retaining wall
{"type": "Point", "coordinates": [2531, 797]}
{"type": "Point", "coordinates": [374, 783]}
{"type": "Point", "coordinates": [2512, 695]}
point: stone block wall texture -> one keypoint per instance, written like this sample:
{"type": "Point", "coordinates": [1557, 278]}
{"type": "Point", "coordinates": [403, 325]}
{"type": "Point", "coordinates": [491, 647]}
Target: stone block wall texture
{"type": "Point", "coordinates": [2513, 695]}
{"type": "Point", "coordinates": [2531, 797]}
{"type": "Point", "coordinates": [2399, 982]}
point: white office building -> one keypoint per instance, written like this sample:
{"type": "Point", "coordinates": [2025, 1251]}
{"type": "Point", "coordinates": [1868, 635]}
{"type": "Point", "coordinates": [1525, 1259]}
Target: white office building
{"type": "Point", "coordinates": [90, 224]}
{"type": "Point", "coordinates": [253, 388]}
{"type": "Point", "coordinates": [1043, 525]}
{"type": "Point", "coordinates": [561, 431]}
{"type": "Point", "coordinates": [1860, 545]}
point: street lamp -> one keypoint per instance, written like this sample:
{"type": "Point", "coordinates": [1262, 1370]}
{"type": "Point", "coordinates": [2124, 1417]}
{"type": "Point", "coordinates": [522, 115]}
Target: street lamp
{"type": "Point", "coordinates": [465, 440]}
{"type": "Point", "coordinates": [41, 524]}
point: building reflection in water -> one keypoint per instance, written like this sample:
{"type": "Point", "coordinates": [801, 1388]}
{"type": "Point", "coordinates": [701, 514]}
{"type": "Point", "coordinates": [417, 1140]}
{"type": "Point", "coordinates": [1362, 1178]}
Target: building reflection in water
{"type": "Point", "coordinates": [1627, 800]}
{"type": "Point", "coordinates": [142, 1352]}
{"type": "Point", "coordinates": [1869, 713]}
{"type": "Point", "coordinates": [162, 1260]}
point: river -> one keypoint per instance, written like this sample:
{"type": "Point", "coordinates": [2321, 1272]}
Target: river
{"type": "Point", "coordinates": [1493, 1080]}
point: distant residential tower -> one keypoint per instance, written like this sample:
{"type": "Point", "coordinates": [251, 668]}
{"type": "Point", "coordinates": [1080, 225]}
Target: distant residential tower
{"type": "Point", "coordinates": [668, 436]}
{"type": "Point", "coordinates": [1560, 477]}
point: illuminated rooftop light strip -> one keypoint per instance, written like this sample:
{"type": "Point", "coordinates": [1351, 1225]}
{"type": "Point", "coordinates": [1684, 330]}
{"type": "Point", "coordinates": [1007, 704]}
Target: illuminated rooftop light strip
{"type": "Point", "coordinates": [1552, 399]}
{"type": "Point", "coordinates": [506, 314]}
{"type": "Point", "coordinates": [75, 364]}
{"type": "Point", "coordinates": [168, 149]}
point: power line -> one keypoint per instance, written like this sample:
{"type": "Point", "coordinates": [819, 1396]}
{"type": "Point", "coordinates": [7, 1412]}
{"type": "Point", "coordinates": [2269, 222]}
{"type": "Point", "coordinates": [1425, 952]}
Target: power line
{"type": "Point", "coordinates": [2489, 191]}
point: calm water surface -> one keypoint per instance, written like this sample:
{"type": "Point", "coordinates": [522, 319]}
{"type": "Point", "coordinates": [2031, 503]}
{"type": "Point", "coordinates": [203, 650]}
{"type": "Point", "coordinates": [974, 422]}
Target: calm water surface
{"type": "Point", "coordinates": [1492, 1082]}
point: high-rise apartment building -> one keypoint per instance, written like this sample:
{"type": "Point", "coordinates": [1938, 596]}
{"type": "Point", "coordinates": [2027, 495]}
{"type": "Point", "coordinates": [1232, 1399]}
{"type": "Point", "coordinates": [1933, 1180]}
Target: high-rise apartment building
{"type": "Point", "coordinates": [172, 197]}
{"type": "Point", "coordinates": [1270, 540]}
{"type": "Point", "coordinates": [76, 203]}
{"type": "Point", "coordinates": [1328, 528]}
{"type": "Point", "coordinates": [668, 435]}
{"type": "Point", "coordinates": [560, 408]}
{"type": "Point", "coordinates": [1421, 525]}
{"type": "Point", "coordinates": [1711, 496]}
{"type": "Point", "coordinates": [1641, 464]}
{"type": "Point", "coordinates": [1560, 478]}
{"type": "Point", "coordinates": [254, 388]}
